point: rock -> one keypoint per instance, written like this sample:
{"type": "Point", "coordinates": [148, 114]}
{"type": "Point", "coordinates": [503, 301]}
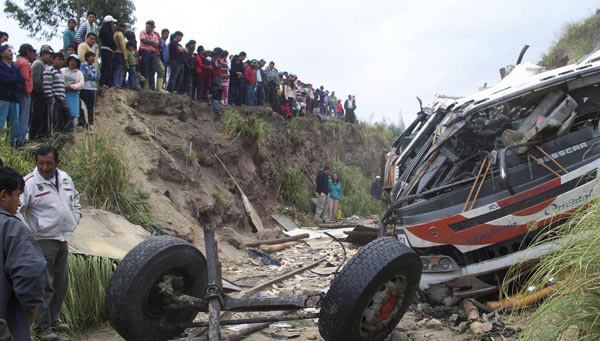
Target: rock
{"type": "Point", "coordinates": [453, 319]}
{"type": "Point", "coordinates": [571, 334]}
{"type": "Point", "coordinates": [398, 336]}
{"type": "Point", "coordinates": [311, 337]}
{"type": "Point", "coordinates": [434, 324]}
{"type": "Point", "coordinates": [406, 325]}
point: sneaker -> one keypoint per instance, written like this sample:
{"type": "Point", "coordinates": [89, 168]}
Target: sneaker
{"type": "Point", "coordinates": [48, 336]}
{"type": "Point", "coordinates": [60, 327]}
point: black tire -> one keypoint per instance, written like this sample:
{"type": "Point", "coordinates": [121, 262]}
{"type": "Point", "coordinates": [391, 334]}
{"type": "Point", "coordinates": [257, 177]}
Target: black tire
{"type": "Point", "coordinates": [135, 309]}
{"type": "Point", "coordinates": [384, 263]}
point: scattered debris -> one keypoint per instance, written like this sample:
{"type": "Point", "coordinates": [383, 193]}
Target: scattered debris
{"type": "Point", "coordinates": [285, 222]}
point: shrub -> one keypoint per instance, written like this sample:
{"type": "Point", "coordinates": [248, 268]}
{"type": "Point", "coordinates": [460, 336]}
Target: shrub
{"type": "Point", "coordinates": [100, 171]}
{"type": "Point", "coordinates": [235, 125]}
{"type": "Point", "coordinates": [290, 185]}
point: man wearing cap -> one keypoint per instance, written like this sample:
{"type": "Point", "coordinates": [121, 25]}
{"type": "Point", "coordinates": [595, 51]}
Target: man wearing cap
{"type": "Point", "coordinates": [86, 27]}
{"type": "Point", "coordinates": [149, 48]}
{"type": "Point", "coordinates": [11, 82]}
{"type": "Point", "coordinates": [376, 188]}
{"type": "Point", "coordinates": [3, 37]}
{"type": "Point", "coordinates": [69, 34]}
{"type": "Point", "coordinates": [38, 114]}
{"type": "Point", "coordinates": [26, 57]}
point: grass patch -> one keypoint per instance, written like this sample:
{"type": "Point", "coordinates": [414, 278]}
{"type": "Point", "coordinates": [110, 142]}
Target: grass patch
{"type": "Point", "coordinates": [84, 305]}
{"type": "Point", "coordinates": [21, 160]}
{"type": "Point", "coordinates": [576, 40]}
{"type": "Point", "coordinates": [100, 171]}
{"type": "Point", "coordinates": [356, 191]}
{"type": "Point", "coordinates": [295, 133]}
{"type": "Point", "coordinates": [575, 304]}
{"type": "Point", "coordinates": [289, 183]}
{"type": "Point", "coordinates": [372, 135]}
{"type": "Point", "coordinates": [235, 125]}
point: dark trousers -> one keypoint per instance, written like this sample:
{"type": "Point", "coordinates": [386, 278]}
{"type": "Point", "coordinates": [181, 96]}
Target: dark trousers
{"type": "Point", "coordinates": [200, 87]}
{"type": "Point", "coordinates": [59, 117]}
{"type": "Point", "coordinates": [260, 94]}
{"type": "Point", "coordinates": [57, 281]}
{"type": "Point", "coordinates": [38, 119]}
{"type": "Point", "coordinates": [118, 70]}
{"type": "Point", "coordinates": [176, 79]}
{"type": "Point", "coordinates": [106, 68]}
{"type": "Point", "coordinates": [188, 81]}
{"type": "Point", "coordinates": [149, 67]}
{"type": "Point", "coordinates": [236, 93]}
{"type": "Point", "coordinates": [89, 98]}
{"type": "Point", "coordinates": [272, 97]}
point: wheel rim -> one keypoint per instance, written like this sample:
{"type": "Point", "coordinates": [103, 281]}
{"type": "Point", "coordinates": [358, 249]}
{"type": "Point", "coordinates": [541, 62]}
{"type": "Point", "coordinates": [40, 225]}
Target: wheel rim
{"type": "Point", "coordinates": [383, 306]}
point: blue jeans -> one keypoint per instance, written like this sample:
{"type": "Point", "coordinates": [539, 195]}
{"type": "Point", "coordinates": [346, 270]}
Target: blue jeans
{"type": "Point", "coordinates": [132, 80]}
{"type": "Point", "coordinates": [118, 70]}
{"type": "Point", "coordinates": [9, 114]}
{"type": "Point", "coordinates": [260, 94]}
{"type": "Point", "coordinates": [250, 98]}
{"type": "Point", "coordinates": [149, 67]}
{"type": "Point", "coordinates": [176, 79]}
{"type": "Point", "coordinates": [24, 110]}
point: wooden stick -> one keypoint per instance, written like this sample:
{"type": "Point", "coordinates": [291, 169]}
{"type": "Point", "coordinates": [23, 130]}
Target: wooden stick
{"type": "Point", "coordinates": [544, 165]}
{"type": "Point", "coordinates": [473, 187]}
{"type": "Point", "coordinates": [277, 247]}
{"type": "Point", "coordinates": [337, 226]}
{"type": "Point", "coordinates": [253, 328]}
{"type": "Point", "coordinates": [480, 185]}
{"type": "Point", "coordinates": [552, 159]}
{"type": "Point", "coordinates": [278, 241]}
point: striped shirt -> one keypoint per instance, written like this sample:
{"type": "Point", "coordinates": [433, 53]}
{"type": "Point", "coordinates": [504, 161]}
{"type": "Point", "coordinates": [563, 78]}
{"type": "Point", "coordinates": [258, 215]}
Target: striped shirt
{"type": "Point", "coordinates": [83, 31]}
{"type": "Point", "coordinates": [54, 83]}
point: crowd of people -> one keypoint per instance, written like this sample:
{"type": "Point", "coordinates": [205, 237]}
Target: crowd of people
{"type": "Point", "coordinates": [41, 91]}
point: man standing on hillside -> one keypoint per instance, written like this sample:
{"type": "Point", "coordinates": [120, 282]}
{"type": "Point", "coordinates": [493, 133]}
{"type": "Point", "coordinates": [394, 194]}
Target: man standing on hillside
{"type": "Point", "coordinates": [69, 34]}
{"type": "Point", "coordinates": [86, 28]}
{"type": "Point", "coordinates": [376, 188]}
{"type": "Point", "coordinates": [149, 51]}
{"type": "Point", "coordinates": [51, 209]}
{"type": "Point", "coordinates": [322, 192]}
{"type": "Point", "coordinates": [39, 121]}
{"type": "Point", "coordinates": [349, 106]}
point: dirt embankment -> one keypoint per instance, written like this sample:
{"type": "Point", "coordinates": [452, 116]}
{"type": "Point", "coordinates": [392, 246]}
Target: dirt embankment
{"type": "Point", "coordinates": [170, 142]}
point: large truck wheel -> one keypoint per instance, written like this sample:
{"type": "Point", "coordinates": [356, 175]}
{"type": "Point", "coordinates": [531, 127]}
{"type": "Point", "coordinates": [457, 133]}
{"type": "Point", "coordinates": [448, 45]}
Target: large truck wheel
{"type": "Point", "coordinates": [370, 295]}
{"type": "Point", "coordinates": [136, 309]}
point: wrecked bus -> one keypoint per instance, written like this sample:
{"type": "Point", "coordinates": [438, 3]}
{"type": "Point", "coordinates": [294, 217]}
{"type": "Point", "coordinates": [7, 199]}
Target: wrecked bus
{"type": "Point", "coordinates": [473, 180]}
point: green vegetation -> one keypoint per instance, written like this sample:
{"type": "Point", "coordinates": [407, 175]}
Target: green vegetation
{"type": "Point", "coordinates": [289, 183]}
{"type": "Point", "coordinates": [295, 133]}
{"type": "Point", "coordinates": [84, 304]}
{"type": "Point", "coordinates": [369, 135]}
{"type": "Point", "coordinates": [20, 160]}
{"type": "Point", "coordinates": [236, 125]}
{"type": "Point", "coordinates": [576, 40]}
{"type": "Point", "coordinates": [100, 171]}
{"type": "Point", "coordinates": [356, 191]}
{"type": "Point", "coordinates": [575, 304]}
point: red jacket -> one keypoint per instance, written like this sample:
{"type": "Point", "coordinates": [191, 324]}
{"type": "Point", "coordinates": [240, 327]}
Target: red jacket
{"type": "Point", "coordinates": [338, 107]}
{"type": "Point", "coordinates": [250, 75]}
{"type": "Point", "coordinates": [200, 66]}
{"type": "Point", "coordinates": [285, 111]}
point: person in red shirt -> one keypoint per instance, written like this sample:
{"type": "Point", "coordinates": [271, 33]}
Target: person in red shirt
{"type": "Point", "coordinates": [26, 57]}
{"type": "Point", "coordinates": [149, 50]}
{"type": "Point", "coordinates": [250, 76]}
{"type": "Point", "coordinates": [285, 110]}
{"type": "Point", "coordinates": [339, 109]}
{"type": "Point", "coordinates": [202, 67]}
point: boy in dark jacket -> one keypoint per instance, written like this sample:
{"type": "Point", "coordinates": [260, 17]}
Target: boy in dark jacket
{"type": "Point", "coordinates": [322, 191]}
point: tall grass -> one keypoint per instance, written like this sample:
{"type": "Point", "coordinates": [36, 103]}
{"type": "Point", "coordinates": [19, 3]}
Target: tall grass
{"type": "Point", "coordinates": [290, 185]}
{"type": "Point", "coordinates": [576, 40]}
{"type": "Point", "coordinates": [575, 304]}
{"type": "Point", "coordinates": [356, 191]}
{"type": "Point", "coordinates": [84, 304]}
{"type": "Point", "coordinates": [99, 170]}
{"type": "Point", "coordinates": [235, 125]}
{"type": "Point", "coordinates": [21, 160]}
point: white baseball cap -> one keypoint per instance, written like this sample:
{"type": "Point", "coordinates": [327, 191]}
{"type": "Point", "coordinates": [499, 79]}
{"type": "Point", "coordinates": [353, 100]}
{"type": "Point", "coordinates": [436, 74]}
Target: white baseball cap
{"type": "Point", "coordinates": [377, 177]}
{"type": "Point", "coordinates": [109, 18]}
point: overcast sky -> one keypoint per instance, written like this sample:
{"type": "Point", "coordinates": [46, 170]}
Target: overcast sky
{"type": "Point", "coordinates": [384, 52]}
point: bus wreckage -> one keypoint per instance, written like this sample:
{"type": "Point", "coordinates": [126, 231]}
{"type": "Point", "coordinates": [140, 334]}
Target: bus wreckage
{"type": "Point", "coordinates": [473, 180]}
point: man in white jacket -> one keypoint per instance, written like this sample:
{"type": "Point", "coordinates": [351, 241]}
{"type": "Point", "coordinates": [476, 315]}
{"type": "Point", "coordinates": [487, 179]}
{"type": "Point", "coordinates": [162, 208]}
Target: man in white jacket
{"type": "Point", "coordinates": [51, 209]}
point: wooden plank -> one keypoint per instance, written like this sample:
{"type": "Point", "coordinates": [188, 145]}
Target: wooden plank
{"type": "Point", "coordinates": [285, 222]}
{"type": "Point", "coordinates": [278, 241]}
{"type": "Point", "coordinates": [254, 217]}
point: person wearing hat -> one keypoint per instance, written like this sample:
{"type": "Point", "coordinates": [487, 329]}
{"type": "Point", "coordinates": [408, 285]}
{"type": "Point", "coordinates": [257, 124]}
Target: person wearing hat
{"type": "Point", "coordinates": [39, 124]}
{"type": "Point", "coordinates": [149, 50]}
{"type": "Point", "coordinates": [24, 60]}
{"type": "Point", "coordinates": [69, 34]}
{"type": "Point", "coordinates": [376, 188]}
{"type": "Point", "coordinates": [11, 82]}
{"type": "Point", "coordinates": [86, 28]}
{"type": "Point", "coordinates": [107, 48]}
{"type": "Point", "coordinates": [74, 82]}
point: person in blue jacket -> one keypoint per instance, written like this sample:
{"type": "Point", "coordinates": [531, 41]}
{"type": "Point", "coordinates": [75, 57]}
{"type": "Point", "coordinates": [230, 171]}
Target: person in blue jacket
{"type": "Point", "coordinates": [11, 82]}
{"type": "Point", "coordinates": [335, 195]}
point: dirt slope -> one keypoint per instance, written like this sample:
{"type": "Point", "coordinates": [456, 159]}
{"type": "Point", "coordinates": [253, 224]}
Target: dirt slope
{"type": "Point", "coordinates": [156, 130]}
